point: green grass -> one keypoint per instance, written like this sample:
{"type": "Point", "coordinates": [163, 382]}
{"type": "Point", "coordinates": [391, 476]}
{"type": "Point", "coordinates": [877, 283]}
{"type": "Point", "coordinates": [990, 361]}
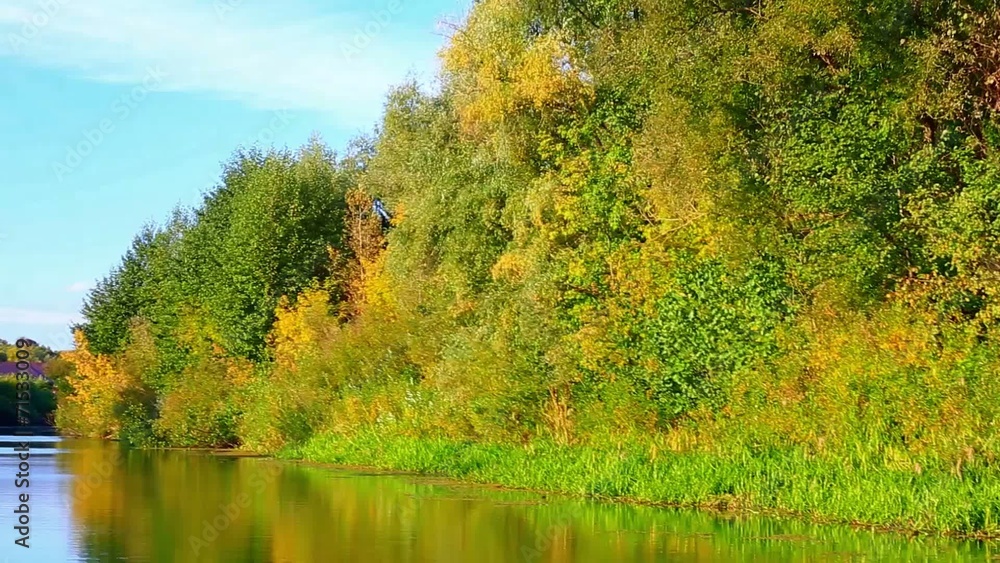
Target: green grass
{"type": "Point", "coordinates": [781, 483]}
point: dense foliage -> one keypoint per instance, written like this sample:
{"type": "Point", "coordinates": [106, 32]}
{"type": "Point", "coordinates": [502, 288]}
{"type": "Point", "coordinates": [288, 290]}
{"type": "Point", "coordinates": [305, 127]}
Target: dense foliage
{"type": "Point", "coordinates": [39, 410]}
{"type": "Point", "coordinates": [722, 226]}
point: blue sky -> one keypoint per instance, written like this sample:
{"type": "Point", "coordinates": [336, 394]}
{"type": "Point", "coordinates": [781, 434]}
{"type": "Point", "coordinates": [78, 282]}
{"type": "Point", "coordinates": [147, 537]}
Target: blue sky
{"type": "Point", "coordinates": [113, 112]}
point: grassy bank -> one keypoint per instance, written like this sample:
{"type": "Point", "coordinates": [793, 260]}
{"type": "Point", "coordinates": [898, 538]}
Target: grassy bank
{"type": "Point", "coordinates": [782, 483]}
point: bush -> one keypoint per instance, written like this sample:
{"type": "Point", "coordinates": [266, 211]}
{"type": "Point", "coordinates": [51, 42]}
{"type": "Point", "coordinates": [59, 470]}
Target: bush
{"type": "Point", "coordinates": [41, 407]}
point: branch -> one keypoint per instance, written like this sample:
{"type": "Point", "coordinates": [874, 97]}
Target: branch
{"type": "Point", "coordinates": [583, 14]}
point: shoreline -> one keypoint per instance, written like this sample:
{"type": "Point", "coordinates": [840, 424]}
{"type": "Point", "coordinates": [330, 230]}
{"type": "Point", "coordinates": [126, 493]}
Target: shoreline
{"type": "Point", "coordinates": [331, 452]}
{"type": "Point", "coordinates": [720, 505]}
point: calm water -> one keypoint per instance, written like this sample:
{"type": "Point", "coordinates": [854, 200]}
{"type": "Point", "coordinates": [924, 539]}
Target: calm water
{"type": "Point", "coordinates": [91, 501]}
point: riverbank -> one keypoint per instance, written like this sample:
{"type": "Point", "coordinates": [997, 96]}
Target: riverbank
{"type": "Point", "coordinates": [154, 505]}
{"type": "Point", "coordinates": [829, 491]}
{"type": "Point", "coordinates": [776, 291]}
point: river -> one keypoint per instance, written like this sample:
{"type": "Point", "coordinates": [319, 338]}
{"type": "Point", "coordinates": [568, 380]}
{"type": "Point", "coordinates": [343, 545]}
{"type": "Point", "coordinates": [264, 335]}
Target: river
{"type": "Point", "coordinates": [93, 501]}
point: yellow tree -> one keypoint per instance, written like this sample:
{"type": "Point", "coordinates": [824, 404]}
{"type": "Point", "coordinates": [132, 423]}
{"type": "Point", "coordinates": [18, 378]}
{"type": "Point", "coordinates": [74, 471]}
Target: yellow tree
{"type": "Point", "coordinates": [98, 384]}
{"type": "Point", "coordinates": [496, 69]}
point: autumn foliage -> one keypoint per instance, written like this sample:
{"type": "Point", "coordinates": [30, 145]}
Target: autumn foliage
{"type": "Point", "coordinates": [734, 228]}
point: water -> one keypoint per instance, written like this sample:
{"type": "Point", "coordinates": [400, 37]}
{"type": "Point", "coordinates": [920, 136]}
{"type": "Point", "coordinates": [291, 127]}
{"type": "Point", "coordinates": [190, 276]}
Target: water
{"type": "Point", "coordinates": [92, 501]}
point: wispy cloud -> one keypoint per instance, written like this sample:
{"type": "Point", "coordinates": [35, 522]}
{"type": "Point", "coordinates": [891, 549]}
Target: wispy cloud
{"type": "Point", "coordinates": [38, 318]}
{"type": "Point", "coordinates": [287, 57]}
{"type": "Point", "coordinates": [78, 287]}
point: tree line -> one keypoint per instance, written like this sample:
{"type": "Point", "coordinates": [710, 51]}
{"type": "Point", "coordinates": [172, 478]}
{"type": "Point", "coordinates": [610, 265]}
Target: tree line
{"type": "Point", "coordinates": [702, 225]}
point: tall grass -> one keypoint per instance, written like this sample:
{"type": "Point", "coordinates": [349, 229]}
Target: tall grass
{"type": "Point", "coordinates": [783, 483]}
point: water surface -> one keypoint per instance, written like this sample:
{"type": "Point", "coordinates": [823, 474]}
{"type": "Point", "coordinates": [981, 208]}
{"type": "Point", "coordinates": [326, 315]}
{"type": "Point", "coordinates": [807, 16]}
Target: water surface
{"type": "Point", "coordinates": [92, 501]}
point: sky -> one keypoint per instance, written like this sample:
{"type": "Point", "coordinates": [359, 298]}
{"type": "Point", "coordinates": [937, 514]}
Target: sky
{"type": "Point", "coordinates": [114, 112]}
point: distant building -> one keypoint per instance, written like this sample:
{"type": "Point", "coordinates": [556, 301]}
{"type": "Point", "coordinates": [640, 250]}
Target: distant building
{"type": "Point", "coordinates": [35, 369]}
